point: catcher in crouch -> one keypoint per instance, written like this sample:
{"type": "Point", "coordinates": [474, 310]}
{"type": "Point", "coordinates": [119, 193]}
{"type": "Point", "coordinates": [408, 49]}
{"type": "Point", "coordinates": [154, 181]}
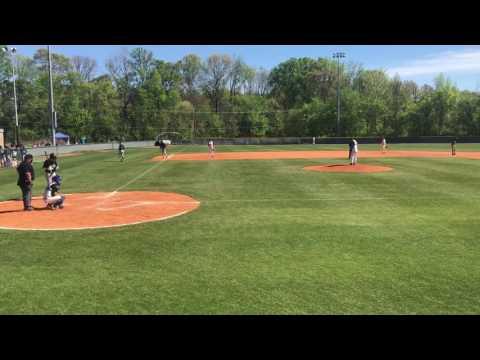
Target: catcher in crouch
{"type": "Point", "coordinates": [52, 197]}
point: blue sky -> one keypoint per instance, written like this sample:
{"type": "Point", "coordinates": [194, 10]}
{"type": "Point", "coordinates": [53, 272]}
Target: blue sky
{"type": "Point", "coordinates": [412, 62]}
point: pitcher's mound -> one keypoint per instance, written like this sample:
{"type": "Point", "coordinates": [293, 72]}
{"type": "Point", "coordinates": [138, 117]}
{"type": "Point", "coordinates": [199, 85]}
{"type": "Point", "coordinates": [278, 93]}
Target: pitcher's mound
{"type": "Point", "coordinates": [359, 168]}
{"type": "Point", "coordinates": [96, 210]}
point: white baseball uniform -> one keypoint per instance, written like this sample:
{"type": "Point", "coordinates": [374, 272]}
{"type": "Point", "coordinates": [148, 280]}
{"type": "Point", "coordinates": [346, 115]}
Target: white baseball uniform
{"type": "Point", "coordinates": [354, 152]}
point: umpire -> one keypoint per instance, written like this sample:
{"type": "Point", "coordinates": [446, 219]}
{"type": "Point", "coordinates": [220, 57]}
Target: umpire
{"type": "Point", "coordinates": [26, 175]}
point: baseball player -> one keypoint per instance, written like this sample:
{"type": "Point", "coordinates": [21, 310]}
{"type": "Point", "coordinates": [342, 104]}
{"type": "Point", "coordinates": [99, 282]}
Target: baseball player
{"type": "Point", "coordinates": [52, 197]}
{"type": "Point", "coordinates": [350, 147]}
{"type": "Point", "coordinates": [454, 145]}
{"type": "Point", "coordinates": [211, 148]}
{"type": "Point", "coordinates": [121, 151]}
{"type": "Point", "coordinates": [50, 167]}
{"type": "Point", "coordinates": [384, 145]}
{"type": "Point", "coordinates": [163, 148]}
{"type": "Point", "coordinates": [354, 156]}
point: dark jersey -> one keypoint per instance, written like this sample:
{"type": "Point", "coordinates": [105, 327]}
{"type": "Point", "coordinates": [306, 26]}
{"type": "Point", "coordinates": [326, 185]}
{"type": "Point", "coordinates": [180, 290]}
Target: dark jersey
{"type": "Point", "coordinates": [22, 170]}
{"type": "Point", "coordinates": [50, 163]}
{"type": "Point", "coordinates": [121, 147]}
{"type": "Point", "coordinates": [162, 145]}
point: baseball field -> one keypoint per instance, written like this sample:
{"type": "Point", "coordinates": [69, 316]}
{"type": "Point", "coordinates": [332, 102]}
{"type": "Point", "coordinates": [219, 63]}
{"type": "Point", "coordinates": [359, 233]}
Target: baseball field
{"type": "Point", "coordinates": [247, 234]}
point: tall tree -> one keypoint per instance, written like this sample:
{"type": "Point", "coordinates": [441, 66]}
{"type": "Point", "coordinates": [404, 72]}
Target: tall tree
{"type": "Point", "coordinates": [215, 77]}
{"type": "Point", "coordinates": [261, 82]}
{"type": "Point", "coordinates": [60, 63]}
{"type": "Point", "coordinates": [190, 69]}
{"type": "Point", "coordinates": [142, 65]}
{"type": "Point", "coordinates": [374, 87]}
{"type": "Point", "coordinates": [84, 66]}
{"type": "Point", "coordinates": [121, 72]}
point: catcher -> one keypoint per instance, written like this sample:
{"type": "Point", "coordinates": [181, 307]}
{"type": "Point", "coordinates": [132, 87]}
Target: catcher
{"type": "Point", "coordinates": [52, 196]}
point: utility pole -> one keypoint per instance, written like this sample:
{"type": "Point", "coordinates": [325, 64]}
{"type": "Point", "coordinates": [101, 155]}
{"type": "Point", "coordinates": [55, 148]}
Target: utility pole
{"type": "Point", "coordinates": [12, 52]}
{"type": "Point", "coordinates": [193, 125]}
{"type": "Point", "coordinates": [338, 56]}
{"type": "Point", "coordinates": [50, 97]}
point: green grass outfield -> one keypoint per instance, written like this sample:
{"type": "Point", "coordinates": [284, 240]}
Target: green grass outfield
{"type": "Point", "coordinates": [268, 238]}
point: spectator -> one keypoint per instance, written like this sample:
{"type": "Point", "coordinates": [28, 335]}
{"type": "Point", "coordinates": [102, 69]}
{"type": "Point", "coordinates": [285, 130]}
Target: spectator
{"type": "Point", "coordinates": [2, 157]}
{"type": "Point", "coordinates": [8, 154]}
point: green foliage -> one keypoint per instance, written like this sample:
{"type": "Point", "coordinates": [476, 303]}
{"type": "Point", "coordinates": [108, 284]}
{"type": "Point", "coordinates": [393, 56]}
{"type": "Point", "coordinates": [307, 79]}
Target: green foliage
{"type": "Point", "coordinates": [142, 96]}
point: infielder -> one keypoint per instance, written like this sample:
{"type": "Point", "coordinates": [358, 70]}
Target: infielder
{"type": "Point", "coordinates": [163, 148]}
{"type": "Point", "coordinates": [121, 151]}
{"type": "Point", "coordinates": [384, 145]}
{"type": "Point", "coordinates": [354, 155]}
{"type": "Point", "coordinates": [211, 148]}
{"type": "Point", "coordinates": [454, 145]}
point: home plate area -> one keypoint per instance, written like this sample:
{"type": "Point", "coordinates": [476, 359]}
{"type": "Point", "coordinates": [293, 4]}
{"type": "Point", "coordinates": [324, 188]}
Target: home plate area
{"type": "Point", "coordinates": [96, 210]}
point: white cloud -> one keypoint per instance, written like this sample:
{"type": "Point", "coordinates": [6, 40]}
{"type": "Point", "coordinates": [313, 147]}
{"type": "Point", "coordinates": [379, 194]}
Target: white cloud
{"type": "Point", "coordinates": [464, 61]}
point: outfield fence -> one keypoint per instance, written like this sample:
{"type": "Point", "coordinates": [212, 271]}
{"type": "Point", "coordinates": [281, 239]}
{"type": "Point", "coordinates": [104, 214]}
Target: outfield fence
{"type": "Point", "coordinates": [63, 149]}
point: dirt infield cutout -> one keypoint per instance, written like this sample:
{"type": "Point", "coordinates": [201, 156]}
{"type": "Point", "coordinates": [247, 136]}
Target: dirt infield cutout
{"type": "Point", "coordinates": [271, 155]}
{"type": "Point", "coordinates": [346, 168]}
{"type": "Point", "coordinates": [96, 210]}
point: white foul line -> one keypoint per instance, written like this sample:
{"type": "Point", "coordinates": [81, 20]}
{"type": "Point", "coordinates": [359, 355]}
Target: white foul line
{"type": "Point", "coordinates": [138, 177]}
{"type": "Point", "coordinates": [114, 192]}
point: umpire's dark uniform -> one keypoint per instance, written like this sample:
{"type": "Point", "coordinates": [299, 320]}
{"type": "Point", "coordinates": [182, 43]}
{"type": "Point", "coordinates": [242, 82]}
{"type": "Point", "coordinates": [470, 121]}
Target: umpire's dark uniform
{"type": "Point", "coordinates": [25, 181]}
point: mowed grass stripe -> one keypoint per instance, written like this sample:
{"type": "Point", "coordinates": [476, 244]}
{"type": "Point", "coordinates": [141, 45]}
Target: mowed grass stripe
{"type": "Point", "coordinates": [416, 252]}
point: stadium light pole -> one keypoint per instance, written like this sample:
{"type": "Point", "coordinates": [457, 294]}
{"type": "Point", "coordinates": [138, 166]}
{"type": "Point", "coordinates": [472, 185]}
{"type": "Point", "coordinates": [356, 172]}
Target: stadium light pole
{"type": "Point", "coordinates": [338, 56]}
{"type": "Point", "coordinates": [50, 97]}
{"type": "Point", "coordinates": [12, 52]}
{"type": "Point", "coordinates": [323, 78]}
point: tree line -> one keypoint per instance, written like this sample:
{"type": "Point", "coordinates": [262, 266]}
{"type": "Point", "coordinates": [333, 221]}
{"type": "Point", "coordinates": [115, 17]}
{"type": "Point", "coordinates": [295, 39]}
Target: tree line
{"type": "Point", "coordinates": [141, 96]}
